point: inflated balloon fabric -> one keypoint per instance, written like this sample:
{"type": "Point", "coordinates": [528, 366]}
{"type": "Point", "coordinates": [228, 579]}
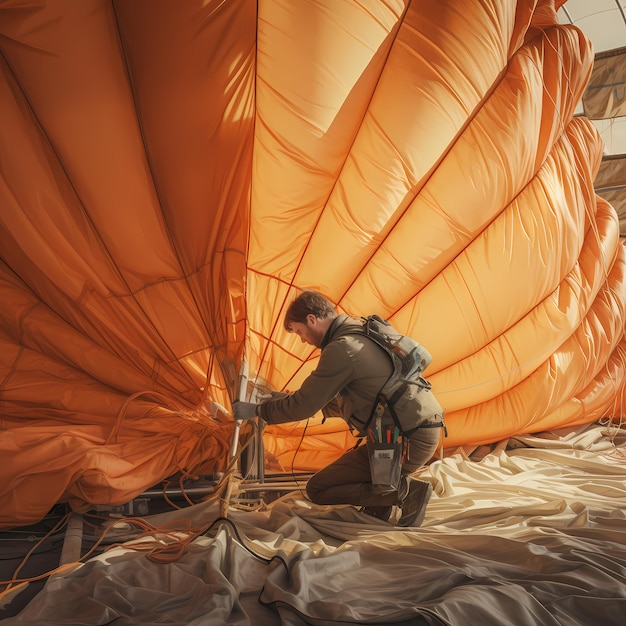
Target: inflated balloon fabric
{"type": "Point", "coordinates": [173, 173]}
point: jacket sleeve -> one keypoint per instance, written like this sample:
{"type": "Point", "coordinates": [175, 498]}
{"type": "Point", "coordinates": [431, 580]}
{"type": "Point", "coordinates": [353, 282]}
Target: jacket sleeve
{"type": "Point", "coordinates": [334, 371]}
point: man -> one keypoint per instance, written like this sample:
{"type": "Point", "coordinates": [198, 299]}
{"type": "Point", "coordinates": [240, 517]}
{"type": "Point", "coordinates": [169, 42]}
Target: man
{"type": "Point", "coordinates": [350, 373]}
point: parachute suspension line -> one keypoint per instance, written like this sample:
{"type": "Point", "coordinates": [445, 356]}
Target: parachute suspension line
{"type": "Point", "coordinates": [23, 582]}
{"type": "Point", "coordinates": [122, 412]}
{"type": "Point", "coordinates": [295, 454]}
{"type": "Point", "coordinates": [244, 372]}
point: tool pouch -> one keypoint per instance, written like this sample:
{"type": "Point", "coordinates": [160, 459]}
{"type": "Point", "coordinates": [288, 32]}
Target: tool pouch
{"type": "Point", "coordinates": [385, 465]}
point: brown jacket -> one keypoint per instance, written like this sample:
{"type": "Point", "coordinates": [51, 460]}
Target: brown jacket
{"type": "Point", "coordinates": [350, 373]}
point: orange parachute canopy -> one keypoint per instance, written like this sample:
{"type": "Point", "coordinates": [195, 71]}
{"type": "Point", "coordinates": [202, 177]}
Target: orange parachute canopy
{"type": "Point", "coordinates": [172, 173]}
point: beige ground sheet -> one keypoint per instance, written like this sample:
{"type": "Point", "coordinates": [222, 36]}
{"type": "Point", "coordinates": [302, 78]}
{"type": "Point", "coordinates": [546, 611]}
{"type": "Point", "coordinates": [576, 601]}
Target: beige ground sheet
{"type": "Point", "coordinates": [528, 532]}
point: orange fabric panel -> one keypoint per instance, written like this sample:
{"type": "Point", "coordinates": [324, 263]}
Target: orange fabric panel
{"type": "Point", "coordinates": [124, 188]}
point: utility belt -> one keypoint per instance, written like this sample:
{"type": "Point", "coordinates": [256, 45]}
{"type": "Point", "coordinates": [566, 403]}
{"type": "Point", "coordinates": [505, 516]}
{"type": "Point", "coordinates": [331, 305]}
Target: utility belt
{"type": "Point", "coordinates": [362, 429]}
{"type": "Point", "coordinates": [388, 447]}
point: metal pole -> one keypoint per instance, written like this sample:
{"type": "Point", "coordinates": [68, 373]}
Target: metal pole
{"type": "Point", "coordinates": [73, 540]}
{"type": "Point", "coordinates": [228, 489]}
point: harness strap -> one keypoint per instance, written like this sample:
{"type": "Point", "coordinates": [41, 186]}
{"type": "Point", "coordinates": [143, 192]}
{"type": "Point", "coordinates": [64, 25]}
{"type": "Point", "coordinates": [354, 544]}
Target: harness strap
{"type": "Point", "coordinates": [381, 399]}
{"type": "Point", "coordinates": [420, 382]}
{"type": "Point", "coordinates": [440, 424]}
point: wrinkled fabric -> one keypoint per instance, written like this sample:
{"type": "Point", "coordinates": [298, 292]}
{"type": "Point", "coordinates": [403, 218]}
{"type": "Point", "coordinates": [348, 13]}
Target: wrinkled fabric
{"type": "Point", "coordinates": [531, 531]}
{"type": "Point", "coordinates": [172, 173]}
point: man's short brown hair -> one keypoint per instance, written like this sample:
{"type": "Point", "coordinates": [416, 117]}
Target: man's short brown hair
{"type": "Point", "coordinates": [308, 303]}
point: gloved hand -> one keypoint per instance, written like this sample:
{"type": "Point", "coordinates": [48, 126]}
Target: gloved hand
{"type": "Point", "coordinates": [244, 410]}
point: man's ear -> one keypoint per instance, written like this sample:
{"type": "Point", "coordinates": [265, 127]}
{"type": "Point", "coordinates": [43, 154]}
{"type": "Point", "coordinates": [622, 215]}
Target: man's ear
{"type": "Point", "coordinates": [311, 319]}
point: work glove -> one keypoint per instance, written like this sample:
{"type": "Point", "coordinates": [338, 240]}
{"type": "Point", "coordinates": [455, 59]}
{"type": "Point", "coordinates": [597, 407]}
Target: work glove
{"type": "Point", "coordinates": [244, 410]}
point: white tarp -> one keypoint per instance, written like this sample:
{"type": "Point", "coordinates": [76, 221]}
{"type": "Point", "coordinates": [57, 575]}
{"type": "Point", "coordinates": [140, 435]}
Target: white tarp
{"type": "Point", "coordinates": [532, 531]}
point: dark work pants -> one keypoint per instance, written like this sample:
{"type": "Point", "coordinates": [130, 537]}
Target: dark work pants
{"type": "Point", "coordinates": [348, 480]}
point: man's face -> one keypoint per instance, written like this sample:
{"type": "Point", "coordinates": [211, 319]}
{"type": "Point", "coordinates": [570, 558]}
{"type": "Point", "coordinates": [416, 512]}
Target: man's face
{"type": "Point", "coordinates": [312, 331]}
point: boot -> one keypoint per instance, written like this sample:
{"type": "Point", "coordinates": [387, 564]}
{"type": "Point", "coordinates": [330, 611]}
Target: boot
{"type": "Point", "coordinates": [413, 497]}
{"type": "Point", "coordinates": [380, 512]}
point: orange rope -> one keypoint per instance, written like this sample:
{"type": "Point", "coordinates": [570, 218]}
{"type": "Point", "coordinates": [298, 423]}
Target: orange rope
{"type": "Point", "coordinates": [157, 551]}
{"type": "Point", "coordinates": [9, 583]}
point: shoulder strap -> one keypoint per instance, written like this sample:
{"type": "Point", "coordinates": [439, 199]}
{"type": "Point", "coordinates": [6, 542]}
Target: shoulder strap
{"type": "Point", "coordinates": [408, 358]}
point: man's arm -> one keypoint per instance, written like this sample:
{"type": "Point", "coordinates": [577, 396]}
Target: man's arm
{"type": "Point", "coordinates": [319, 390]}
